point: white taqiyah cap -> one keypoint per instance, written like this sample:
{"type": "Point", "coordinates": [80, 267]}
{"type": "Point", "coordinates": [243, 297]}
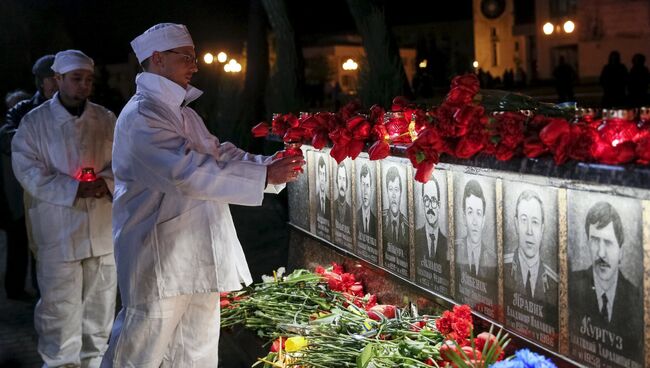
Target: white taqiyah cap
{"type": "Point", "coordinates": [161, 37]}
{"type": "Point", "coordinates": [69, 60]}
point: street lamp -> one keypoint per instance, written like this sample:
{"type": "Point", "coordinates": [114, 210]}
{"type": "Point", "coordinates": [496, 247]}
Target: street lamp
{"type": "Point", "coordinates": [350, 65]}
{"type": "Point", "coordinates": [222, 57]}
{"type": "Point", "coordinates": [548, 28]}
{"type": "Point", "coordinates": [232, 67]}
{"type": "Point", "coordinates": [475, 64]}
{"type": "Point", "coordinates": [569, 26]}
{"type": "Point", "coordinates": [208, 58]}
{"type": "Point", "coordinates": [423, 64]}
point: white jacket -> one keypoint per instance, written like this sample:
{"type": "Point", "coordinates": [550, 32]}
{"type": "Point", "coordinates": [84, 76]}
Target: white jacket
{"type": "Point", "coordinates": [50, 148]}
{"type": "Point", "coordinates": [172, 227]}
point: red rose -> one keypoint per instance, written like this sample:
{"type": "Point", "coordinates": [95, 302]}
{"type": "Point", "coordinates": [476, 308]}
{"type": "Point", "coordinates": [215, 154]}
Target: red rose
{"type": "Point", "coordinates": [359, 127]}
{"type": "Point", "coordinates": [339, 152]}
{"type": "Point", "coordinates": [447, 351]}
{"type": "Point", "coordinates": [468, 147]}
{"type": "Point", "coordinates": [423, 171]}
{"type": "Point", "coordinates": [376, 114]}
{"type": "Point", "coordinates": [459, 96]}
{"type": "Point", "coordinates": [320, 140]}
{"type": "Point", "coordinates": [472, 354]}
{"type": "Point", "coordinates": [260, 130]}
{"type": "Point", "coordinates": [510, 128]}
{"type": "Point", "coordinates": [350, 109]}
{"type": "Point", "coordinates": [614, 155]}
{"type": "Point", "coordinates": [469, 81]}
{"type": "Point", "coordinates": [552, 132]}
{"type": "Point", "coordinates": [486, 338]}
{"type": "Point", "coordinates": [504, 153]}
{"type": "Point", "coordinates": [379, 150]}
{"type": "Point", "coordinates": [356, 289]}
{"type": "Point", "coordinates": [561, 149]}
{"type": "Point", "coordinates": [466, 116]}
{"type": "Point", "coordinates": [537, 123]}
{"type": "Point", "coordinates": [388, 311]}
{"type": "Point", "coordinates": [533, 147]}
{"type": "Point", "coordinates": [278, 344]}
{"type": "Point", "coordinates": [294, 135]}
{"type": "Point", "coordinates": [643, 147]}
{"type": "Point", "coordinates": [399, 103]}
{"type": "Point", "coordinates": [583, 138]}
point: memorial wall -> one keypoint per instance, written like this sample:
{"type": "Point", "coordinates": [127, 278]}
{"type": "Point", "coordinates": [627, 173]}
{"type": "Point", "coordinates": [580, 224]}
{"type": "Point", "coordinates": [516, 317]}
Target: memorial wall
{"type": "Point", "coordinates": [557, 256]}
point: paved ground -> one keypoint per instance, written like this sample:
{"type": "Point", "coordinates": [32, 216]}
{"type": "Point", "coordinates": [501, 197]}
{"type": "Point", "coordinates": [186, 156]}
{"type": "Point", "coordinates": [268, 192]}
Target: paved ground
{"type": "Point", "coordinates": [17, 335]}
{"type": "Point", "coordinates": [263, 234]}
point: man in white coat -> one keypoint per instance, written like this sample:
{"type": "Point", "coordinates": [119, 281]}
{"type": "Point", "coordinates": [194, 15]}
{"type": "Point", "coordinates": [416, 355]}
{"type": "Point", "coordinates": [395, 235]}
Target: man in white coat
{"type": "Point", "coordinates": [175, 242]}
{"type": "Point", "coordinates": [70, 218]}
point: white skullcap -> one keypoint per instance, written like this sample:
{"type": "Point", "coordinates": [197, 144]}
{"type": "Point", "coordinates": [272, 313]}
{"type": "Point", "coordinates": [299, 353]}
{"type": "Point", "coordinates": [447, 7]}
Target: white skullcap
{"type": "Point", "coordinates": [161, 37]}
{"type": "Point", "coordinates": [69, 60]}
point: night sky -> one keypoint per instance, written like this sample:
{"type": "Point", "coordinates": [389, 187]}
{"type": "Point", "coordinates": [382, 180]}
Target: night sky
{"type": "Point", "coordinates": [103, 29]}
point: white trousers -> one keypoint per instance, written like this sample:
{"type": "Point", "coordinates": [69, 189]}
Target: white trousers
{"type": "Point", "coordinates": [181, 331]}
{"type": "Point", "coordinates": [74, 316]}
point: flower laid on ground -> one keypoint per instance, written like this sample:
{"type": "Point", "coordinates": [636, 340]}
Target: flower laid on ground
{"type": "Point", "coordinates": [325, 319]}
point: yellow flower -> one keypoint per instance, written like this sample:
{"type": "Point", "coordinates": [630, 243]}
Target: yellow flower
{"type": "Point", "coordinates": [295, 343]}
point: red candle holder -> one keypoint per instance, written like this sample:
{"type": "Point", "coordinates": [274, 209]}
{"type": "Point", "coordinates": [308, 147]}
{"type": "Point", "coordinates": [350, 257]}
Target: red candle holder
{"type": "Point", "coordinates": [87, 174]}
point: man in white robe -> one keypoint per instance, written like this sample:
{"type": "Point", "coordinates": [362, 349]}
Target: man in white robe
{"type": "Point", "coordinates": [70, 219]}
{"type": "Point", "coordinates": [175, 242]}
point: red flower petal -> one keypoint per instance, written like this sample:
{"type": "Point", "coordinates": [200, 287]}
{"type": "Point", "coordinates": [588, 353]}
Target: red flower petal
{"type": "Point", "coordinates": [260, 130]}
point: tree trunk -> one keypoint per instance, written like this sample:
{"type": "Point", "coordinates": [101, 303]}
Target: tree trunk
{"type": "Point", "coordinates": [288, 80]}
{"type": "Point", "coordinates": [385, 77]}
{"type": "Point", "coordinates": [252, 109]}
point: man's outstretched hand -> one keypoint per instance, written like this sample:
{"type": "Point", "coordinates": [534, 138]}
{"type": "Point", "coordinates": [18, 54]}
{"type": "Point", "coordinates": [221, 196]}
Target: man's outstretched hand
{"type": "Point", "coordinates": [284, 170]}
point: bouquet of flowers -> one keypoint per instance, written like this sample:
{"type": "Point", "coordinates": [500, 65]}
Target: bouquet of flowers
{"type": "Point", "coordinates": [325, 319]}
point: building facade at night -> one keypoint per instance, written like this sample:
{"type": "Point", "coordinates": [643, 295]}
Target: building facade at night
{"type": "Point", "coordinates": [513, 34]}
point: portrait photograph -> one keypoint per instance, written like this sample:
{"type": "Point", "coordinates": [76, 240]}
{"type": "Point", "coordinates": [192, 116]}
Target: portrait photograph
{"type": "Point", "coordinates": [298, 194]}
{"type": "Point", "coordinates": [365, 209]}
{"type": "Point", "coordinates": [605, 279]}
{"type": "Point", "coordinates": [342, 181]}
{"type": "Point", "coordinates": [320, 192]}
{"type": "Point", "coordinates": [530, 277]}
{"type": "Point", "coordinates": [475, 252]}
{"type": "Point", "coordinates": [432, 261]}
{"type": "Point", "coordinates": [395, 216]}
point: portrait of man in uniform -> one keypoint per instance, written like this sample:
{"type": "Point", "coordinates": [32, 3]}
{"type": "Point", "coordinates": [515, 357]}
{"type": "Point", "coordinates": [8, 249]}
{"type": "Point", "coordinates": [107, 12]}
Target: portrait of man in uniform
{"type": "Point", "coordinates": [431, 252]}
{"type": "Point", "coordinates": [342, 207]}
{"type": "Point", "coordinates": [605, 306]}
{"type": "Point", "coordinates": [530, 283]}
{"type": "Point", "coordinates": [322, 197]}
{"type": "Point", "coordinates": [323, 188]}
{"type": "Point", "coordinates": [343, 212]}
{"type": "Point", "coordinates": [395, 225]}
{"type": "Point", "coordinates": [366, 217]}
{"type": "Point", "coordinates": [366, 212]}
{"type": "Point", "coordinates": [476, 258]}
